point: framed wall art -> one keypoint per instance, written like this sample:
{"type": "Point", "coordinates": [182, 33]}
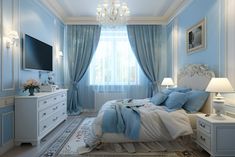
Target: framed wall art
{"type": "Point", "coordinates": [195, 37]}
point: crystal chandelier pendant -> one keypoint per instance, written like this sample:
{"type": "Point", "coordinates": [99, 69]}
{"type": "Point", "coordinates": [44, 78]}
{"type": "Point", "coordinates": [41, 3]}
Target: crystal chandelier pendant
{"type": "Point", "coordinates": [112, 13]}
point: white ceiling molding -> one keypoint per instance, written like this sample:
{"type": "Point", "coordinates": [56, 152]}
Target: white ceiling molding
{"type": "Point", "coordinates": [56, 9]}
{"type": "Point", "coordinates": [132, 20]}
{"type": "Point", "coordinates": [179, 10]}
{"type": "Point", "coordinates": [164, 12]}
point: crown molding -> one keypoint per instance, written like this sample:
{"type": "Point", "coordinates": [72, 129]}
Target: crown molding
{"type": "Point", "coordinates": [132, 20]}
{"type": "Point", "coordinates": [180, 9]}
{"type": "Point", "coordinates": [56, 9]}
{"type": "Point", "coordinates": [171, 13]}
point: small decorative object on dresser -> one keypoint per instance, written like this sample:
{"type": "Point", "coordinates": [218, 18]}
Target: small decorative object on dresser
{"type": "Point", "coordinates": [36, 116]}
{"type": "Point", "coordinates": [31, 85]}
{"type": "Point", "coordinates": [215, 136]}
{"type": "Point", "coordinates": [219, 85]}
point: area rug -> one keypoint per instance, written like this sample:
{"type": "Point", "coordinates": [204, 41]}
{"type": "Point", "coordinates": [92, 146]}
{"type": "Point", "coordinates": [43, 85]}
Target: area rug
{"type": "Point", "coordinates": [75, 146]}
{"type": "Point", "coordinates": [57, 145]}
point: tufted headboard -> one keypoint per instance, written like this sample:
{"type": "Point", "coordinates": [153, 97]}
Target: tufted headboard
{"type": "Point", "coordinates": [196, 76]}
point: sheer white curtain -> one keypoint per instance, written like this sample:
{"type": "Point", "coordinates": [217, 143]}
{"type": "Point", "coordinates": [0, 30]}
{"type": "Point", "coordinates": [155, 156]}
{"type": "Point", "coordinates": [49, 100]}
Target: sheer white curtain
{"type": "Point", "coordinates": [113, 69]}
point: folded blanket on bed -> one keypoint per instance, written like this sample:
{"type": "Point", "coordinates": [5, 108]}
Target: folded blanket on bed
{"type": "Point", "coordinates": [122, 118]}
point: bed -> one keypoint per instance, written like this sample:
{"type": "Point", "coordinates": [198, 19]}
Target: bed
{"type": "Point", "coordinates": [156, 124]}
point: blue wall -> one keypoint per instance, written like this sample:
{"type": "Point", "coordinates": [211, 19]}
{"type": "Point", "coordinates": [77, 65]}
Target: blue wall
{"type": "Point", "coordinates": [33, 18]}
{"type": "Point", "coordinates": [38, 22]}
{"type": "Point", "coordinates": [191, 15]}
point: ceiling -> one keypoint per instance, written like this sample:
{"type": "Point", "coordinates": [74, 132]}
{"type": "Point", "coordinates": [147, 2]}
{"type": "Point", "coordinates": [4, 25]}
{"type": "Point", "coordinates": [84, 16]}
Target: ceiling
{"type": "Point", "coordinates": [141, 11]}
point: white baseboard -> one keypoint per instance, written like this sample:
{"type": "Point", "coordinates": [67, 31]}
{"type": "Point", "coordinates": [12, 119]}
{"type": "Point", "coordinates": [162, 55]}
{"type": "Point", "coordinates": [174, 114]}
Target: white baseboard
{"type": "Point", "coordinates": [7, 146]}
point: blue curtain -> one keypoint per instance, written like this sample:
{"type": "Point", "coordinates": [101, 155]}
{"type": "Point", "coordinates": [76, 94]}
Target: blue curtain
{"type": "Point", "coordinates": [82, 41]}
{"type": "Point", "coordinates": [146, 44]}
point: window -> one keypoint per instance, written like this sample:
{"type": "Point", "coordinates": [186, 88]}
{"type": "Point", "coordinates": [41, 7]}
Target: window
{"type": "Point", "coordinates": [114, 62]}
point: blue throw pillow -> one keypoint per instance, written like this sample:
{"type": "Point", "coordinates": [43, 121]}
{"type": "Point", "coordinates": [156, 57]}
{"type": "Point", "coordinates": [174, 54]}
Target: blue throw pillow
{"type": "Point", "coordinates": [158, 98]}
{"type": "Point", "coordinates": [175, 100]}
{"type": "Point", "coordinates": [196, 99]}
{"type": "Point", "coordinates": [166, 91]}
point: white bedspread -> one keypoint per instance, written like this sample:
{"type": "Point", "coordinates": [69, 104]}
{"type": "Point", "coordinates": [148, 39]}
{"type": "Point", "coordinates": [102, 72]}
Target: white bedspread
{"type": "Point", "coordinates": [156, 123]}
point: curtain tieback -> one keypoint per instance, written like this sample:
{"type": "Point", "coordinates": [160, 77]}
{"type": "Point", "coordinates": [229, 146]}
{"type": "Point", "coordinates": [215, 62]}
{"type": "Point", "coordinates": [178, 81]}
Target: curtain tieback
{"type": "Point", "coordinates": [154, 84]}
{"type": "Point", "coordinates": [75, 85]}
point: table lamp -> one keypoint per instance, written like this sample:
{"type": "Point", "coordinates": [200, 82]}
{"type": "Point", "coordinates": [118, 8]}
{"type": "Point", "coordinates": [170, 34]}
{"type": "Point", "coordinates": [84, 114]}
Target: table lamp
{"type": "Point", "coordinates": [217, 86]}
{"type": "Point", "coordinates": [167, 81]}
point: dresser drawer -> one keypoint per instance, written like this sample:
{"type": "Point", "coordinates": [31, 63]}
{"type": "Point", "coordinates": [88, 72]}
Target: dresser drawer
{"type": "Point", "coordinates": [204, 139]}
{"type": "Point", "coordinates": [44, 103]}
{"type": "Point", "coordinates": [62, 96]}
{"type": "Point", "coordinates": [52, 120]}
{"type": "Point", "coordinates": [203, 125]}
{"type": "Point", "coordinates": [50, 110]}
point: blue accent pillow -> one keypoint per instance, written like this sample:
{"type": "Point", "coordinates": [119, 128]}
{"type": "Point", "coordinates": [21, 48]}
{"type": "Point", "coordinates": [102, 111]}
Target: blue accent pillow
{"type": "Point", "coordinates": [176, 100]}
{"type": "Point", "coordinates": [196, 99]}
{"type": "Point", "coordinates": [166, 91]}
{"type": "Point", "coordinates": [158, 98]}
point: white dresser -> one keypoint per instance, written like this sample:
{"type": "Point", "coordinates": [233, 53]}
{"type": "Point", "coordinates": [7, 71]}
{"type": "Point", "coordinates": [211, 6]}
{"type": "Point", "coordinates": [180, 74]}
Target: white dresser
{"type": "Point", "coordinates": [36, 116]}
{"type": "Point", "coordinates": [217, 137]}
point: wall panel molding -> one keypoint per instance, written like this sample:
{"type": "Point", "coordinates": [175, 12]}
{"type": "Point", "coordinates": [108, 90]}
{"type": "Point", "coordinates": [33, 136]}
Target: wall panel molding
{"type": "Point", "coordinates": [7, 59]}
{"type": "Point", "coordinates": [230, 37]}
{"type": "Point", "coordinates": [7, 101]}
{"type": "Point", "coordinates": [175, 43]}
{"type": "Point", "coordinates": [1, 43]}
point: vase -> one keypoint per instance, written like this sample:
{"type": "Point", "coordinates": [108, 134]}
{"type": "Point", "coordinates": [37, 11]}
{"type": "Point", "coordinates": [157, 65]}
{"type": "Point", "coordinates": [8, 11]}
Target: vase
{"type": "Point", "coordinates": [31, 91]}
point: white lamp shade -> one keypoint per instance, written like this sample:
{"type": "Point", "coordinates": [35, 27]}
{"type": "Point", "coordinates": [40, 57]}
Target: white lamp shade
{"type": "Point", "coordinates": [219, 85]}
{"type": "Point", "coordinates": [167, 81]}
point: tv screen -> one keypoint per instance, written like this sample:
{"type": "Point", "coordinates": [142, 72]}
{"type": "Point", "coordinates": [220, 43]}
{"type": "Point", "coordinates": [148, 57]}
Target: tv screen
{"type": "Point", "coordinates": [37, 54]}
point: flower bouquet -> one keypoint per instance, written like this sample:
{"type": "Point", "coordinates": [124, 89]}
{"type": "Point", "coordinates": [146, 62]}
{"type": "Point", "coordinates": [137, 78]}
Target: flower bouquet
{"type": "Point", "coordinates": [31, 85]}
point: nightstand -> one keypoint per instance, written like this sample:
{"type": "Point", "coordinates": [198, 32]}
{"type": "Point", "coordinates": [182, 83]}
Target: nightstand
{"type": "Point", "coordinates": [217, 137]}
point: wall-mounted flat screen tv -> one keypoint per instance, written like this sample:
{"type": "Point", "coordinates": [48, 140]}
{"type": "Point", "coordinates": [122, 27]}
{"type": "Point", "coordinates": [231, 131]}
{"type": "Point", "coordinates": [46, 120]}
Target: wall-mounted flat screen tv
{"type": "Point", "coordinates": [37, 55]}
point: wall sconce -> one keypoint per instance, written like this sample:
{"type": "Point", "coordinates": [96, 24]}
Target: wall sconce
{"type": "Point", "coordinates": [12, 36]}
{"type": "Point", "coordinates": [60, 53]}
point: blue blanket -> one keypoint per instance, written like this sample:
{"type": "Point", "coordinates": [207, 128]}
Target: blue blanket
{"type": "Point", "coordinates": [122, 119]}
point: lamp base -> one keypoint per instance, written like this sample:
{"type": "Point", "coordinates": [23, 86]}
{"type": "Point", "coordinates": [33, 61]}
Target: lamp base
{"type": "Point", "coordinates": [219, 107]}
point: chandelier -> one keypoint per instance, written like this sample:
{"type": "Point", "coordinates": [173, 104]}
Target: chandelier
{"type": "Point", "coordinates": [112, 12]}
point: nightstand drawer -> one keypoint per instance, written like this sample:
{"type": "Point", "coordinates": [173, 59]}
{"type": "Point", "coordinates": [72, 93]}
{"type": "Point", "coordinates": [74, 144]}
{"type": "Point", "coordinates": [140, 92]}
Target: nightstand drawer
{"type": "Point", "coordinates": [203, 125]}
{"type": "Point", "coordinates": [204, 140]}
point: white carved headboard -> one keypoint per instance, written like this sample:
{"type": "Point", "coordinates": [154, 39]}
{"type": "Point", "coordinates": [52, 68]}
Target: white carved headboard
{"type": "Point", "coordinates": [196, 76]}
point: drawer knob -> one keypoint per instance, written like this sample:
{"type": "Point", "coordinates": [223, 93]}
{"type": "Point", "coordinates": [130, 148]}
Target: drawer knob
{"type": "Point", "coordinates": [55, 108]}
{"type": "Point", "coordinates": [63, 113]}
{"type": "Point", "coordinates": [45, 102]}
{"type": "Point", "coordinates": [54, 98]}
{"type": "Point", "coordinates": [202, 138]}
{"type": "Point", "coordinates": [63, 104]}
{"type": "Point", "coordinates": [55, 119]}
{"type": "Point", "coordinates": [44, 126]}
{"type": "Point", "coordinates": [202, 125]}
{"type": "Point", "coordinates": [44, 113]}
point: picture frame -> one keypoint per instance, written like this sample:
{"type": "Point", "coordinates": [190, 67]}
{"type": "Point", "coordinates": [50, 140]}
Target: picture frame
{"type": "Point", "coordinates": [195, 37]}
